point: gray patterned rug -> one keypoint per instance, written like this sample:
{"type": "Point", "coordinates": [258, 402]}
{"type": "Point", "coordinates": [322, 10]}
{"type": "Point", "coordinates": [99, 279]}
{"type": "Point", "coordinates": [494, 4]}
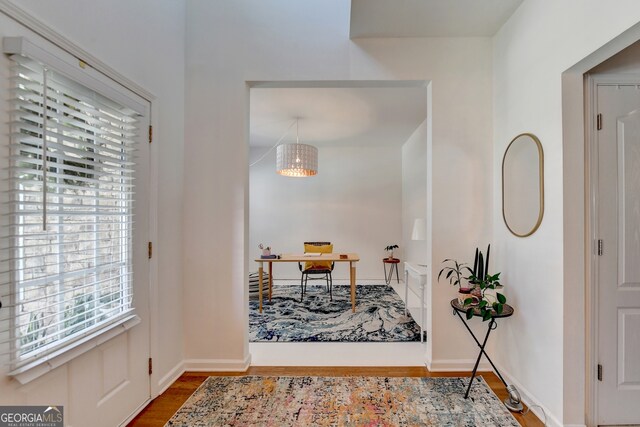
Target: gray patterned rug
{"type": "Point", "coordinates": [347, 401]}
{"type": "Point", "coordinates": [379, 316]}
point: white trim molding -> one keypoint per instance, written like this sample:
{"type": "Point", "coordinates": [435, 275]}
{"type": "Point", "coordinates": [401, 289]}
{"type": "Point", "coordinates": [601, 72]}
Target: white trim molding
{"type": "Point", "coordinates": [68, 65]}
{"type": "Point", "coordinates": [456, 365]}
{"type": "Point", "coordinates": [164, 383]}
{"type": "Point", "coordinates": [16, 13]}
{"type": "Point", "coordinates": [37, 369]}
{"type": "Point", "coordinates": [172, 376]}
{"type": "Point", "coordinates": [529, 399]}
{"type": "Point", "coordinates": [217, 365]}
{"type": "Point", "coordinates": [135, 413]}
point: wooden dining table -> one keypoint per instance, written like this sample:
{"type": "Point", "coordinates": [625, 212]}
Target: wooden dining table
{"type": "Point", "coordinates": [351, 258]}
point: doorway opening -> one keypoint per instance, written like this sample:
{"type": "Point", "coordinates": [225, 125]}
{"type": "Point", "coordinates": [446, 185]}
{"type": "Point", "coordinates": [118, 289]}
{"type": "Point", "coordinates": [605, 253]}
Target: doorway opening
{"type": "Point", "coordinates": [580, 247]}
{"type": "Point", "coordinates": [613, 117]}
{"type": "Point", "coordinates": [372, 183]}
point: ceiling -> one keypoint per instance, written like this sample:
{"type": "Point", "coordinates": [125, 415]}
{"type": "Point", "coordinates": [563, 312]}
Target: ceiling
{"type": "Point", "coordinates": [429, 18]}
{"type": "Point", "coordinates": [362, 116]}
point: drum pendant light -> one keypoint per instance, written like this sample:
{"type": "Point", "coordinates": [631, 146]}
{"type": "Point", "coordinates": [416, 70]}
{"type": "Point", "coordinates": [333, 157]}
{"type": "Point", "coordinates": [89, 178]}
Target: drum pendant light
{"type": "Point", "coordinates": [297, 160]}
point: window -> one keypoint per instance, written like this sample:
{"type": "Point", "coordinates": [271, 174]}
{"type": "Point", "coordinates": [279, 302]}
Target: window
{"type": "Point", "coordinates": [72, 161]}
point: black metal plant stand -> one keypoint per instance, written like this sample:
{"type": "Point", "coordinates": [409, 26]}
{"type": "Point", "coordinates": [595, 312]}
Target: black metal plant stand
{"type": "Point", "coordinates": [461, 311]}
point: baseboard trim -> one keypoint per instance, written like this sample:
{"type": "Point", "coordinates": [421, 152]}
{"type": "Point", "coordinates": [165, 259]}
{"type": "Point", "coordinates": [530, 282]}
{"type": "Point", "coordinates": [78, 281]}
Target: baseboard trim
{"type": "Point", "coordinates": [529, 399]}
{"type": "Point", "coordinates": [457, 365]}
{"type": "Point", "coordinates": [165, 382]}
{"type": "Point", "coordinates": [135, 413]}
{"type": "Point", "coordinates": [217, 365]}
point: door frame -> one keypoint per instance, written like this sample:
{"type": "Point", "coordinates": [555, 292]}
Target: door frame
{"type": "Point", "coordinates": [592, 81]}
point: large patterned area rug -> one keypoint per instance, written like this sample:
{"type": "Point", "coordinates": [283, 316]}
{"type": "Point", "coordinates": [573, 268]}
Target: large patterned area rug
{"type": "Point", "coordinates": [379, 316]}
{"type": "Point", "coordinates": [348, 401]}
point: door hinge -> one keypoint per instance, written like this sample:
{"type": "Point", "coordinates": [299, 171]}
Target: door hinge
{"type": "Point", "coordinates": [150, 134]}
{"type": "Point", "coordinates": [150, 249]}
{"type": "Point", "coordinates": [600, 247]}
{"type": "Point", "coordinates": [599, 372]}
{"type": "Point", "coordinates": [150, 366]}
{"type": "Point", "coordinates": [599, 121]}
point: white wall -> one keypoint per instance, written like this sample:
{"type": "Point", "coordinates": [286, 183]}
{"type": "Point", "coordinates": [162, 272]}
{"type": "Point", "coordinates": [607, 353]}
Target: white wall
{"type": "Point", "coordinates": [414, 193]}
{"type": "Point", "coordinates": [540, 41]}
{"type": "Point", "coordinates": [143, 40]}
{"type": "Point", "coordinates": [230, 43]}
{"type": "Point", "coordinates": [354, 202]}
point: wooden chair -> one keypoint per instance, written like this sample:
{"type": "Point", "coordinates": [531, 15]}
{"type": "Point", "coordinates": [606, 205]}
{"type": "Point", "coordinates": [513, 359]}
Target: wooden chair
{"type": "Point", "coordinates": [322, 272]}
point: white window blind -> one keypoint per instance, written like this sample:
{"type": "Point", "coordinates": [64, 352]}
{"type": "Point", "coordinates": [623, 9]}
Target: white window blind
{"type": "Point", "coordinates": [70, 224]}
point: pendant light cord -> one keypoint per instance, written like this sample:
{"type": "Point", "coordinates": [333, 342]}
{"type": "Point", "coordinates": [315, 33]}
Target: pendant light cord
{"type": "Point", "coordinates": [286, 132]}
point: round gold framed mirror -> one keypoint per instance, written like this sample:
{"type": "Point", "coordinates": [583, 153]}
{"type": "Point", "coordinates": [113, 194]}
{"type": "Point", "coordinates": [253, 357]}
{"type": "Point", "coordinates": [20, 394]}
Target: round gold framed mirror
{"type": "Point", "coordinates": [523, 185]}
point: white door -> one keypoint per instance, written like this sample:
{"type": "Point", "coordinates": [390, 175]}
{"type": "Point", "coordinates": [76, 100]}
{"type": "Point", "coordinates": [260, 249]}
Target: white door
{"type": "Point", "coordinates": [112, 381]}
{"type": "Point", "coordinates": [102, 387]}
{"type": "Point", "coordinates": [618, 226]}
{"type": "Point", "coordinates": [106, 384]}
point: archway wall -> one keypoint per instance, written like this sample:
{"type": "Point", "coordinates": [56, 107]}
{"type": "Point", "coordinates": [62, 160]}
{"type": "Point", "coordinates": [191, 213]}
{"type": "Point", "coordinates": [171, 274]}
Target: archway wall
{"type": "Point", "coordinates": [232, 43]}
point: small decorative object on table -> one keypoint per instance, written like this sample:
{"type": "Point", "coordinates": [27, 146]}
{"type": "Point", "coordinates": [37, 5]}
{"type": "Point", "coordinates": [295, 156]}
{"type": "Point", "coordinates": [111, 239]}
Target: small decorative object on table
{"type": "Point", "coordinates": [266, 251]}
{"type": "Point", "coordinates": [390, 249]}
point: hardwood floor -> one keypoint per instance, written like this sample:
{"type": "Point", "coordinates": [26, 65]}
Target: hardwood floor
{"type": "Point", "coordinates": [164, 406]}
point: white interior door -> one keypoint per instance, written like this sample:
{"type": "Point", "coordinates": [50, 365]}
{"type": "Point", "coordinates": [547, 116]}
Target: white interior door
{"type": "Point", "coordinates": [618, 279]}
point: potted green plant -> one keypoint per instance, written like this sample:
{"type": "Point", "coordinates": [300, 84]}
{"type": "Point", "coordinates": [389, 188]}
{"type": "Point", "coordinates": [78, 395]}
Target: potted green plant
{"type": "Point", "coordinates": [484, 293]}
{"type": "Point", "coordinates": [481, 294]}
{"type": "Point", "coordinates": [487, 304]}
{"type": "Point", "coordinates": [390, 249]}
{"type": "Point", "coordinates": [453, 273]}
